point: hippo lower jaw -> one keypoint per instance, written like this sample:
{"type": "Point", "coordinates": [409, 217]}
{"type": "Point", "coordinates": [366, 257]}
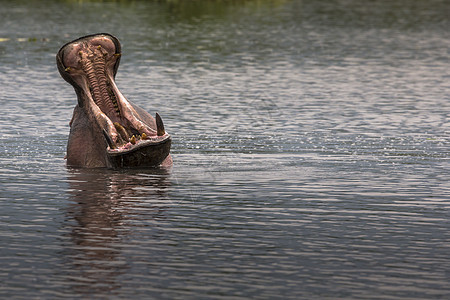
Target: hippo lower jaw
{"type": "Point", "coordinates": [145, 153]}
{"type": "Point", "coordinates": [128, 136]}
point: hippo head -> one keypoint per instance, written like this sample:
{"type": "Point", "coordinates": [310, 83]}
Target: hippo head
{"type": "Point", "coordinates": [107, 130]}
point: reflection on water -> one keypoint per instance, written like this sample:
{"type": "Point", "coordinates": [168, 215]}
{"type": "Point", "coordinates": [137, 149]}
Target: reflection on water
{"type": "Point", "coordinates": [104, 209]}
{"type": "Point", "coordinates": [310, 145]}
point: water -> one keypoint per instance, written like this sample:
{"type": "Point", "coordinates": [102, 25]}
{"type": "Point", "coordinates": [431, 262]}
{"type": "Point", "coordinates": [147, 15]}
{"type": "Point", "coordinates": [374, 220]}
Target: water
{"type": "Point", "coordinates": [310, 145]}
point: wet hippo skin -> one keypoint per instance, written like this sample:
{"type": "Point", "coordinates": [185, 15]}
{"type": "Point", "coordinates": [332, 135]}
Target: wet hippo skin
{"type": "Point", "coordinates": [106, 129]}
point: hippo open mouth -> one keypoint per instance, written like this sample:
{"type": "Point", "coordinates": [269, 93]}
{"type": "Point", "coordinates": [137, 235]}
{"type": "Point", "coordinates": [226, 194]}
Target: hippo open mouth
{"type": "Point", "coordinates": [128, 135]}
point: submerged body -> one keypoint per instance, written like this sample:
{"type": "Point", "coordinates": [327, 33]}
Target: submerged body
{"type": "Point", "coordinates": [106, 129]}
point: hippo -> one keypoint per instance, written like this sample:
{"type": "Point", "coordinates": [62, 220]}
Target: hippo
{"type": "Point", "coordinates": [106, 129]}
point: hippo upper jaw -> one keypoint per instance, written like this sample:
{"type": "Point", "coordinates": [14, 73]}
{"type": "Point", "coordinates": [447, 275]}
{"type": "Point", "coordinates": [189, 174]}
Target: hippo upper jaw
{"type": "Point", "coordinates": [132, 136]}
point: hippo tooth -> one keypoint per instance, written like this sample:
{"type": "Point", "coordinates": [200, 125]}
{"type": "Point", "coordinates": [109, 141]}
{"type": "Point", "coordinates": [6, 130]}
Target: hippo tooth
{"type": "Point", "coordinates": [121, 130]}
{"type": "Point", "coordinates": [109, 140]}
{"type": "Point", "coordinates": [133, 140]}
{"type": "Point", "coordinates": [159, 126]}
{"type": "Point", "coordinates": [143, 136]}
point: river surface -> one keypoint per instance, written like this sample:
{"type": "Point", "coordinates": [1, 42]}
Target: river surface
{"type": "Point", "coordinates": [311, 145]}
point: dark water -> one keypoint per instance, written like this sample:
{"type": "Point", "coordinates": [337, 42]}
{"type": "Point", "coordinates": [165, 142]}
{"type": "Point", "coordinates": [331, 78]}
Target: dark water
{"type": "Point", "coordinates": [311, 153]}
